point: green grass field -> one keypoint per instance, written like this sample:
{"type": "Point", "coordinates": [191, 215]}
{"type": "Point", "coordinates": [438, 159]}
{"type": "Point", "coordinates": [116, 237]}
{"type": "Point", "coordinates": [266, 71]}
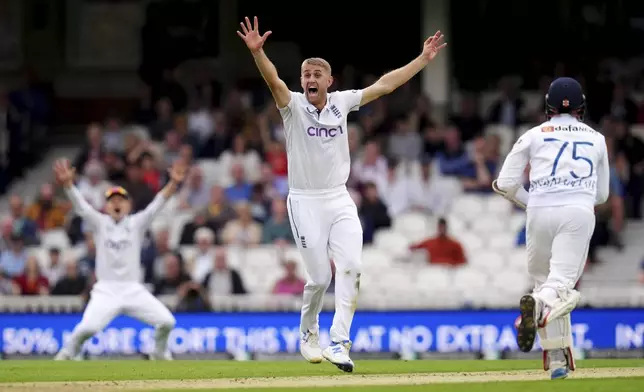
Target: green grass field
{"type": "Point", "coordinates": [435, 376]}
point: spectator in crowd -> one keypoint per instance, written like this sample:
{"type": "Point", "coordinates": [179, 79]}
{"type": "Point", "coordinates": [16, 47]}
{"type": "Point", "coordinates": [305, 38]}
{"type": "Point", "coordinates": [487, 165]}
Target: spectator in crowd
{"type": "Point", "coordinates": [507, 109]}
{"type": "Point", "coordinates": [164, 121]}
{"type": "Point", "coordinates": [622, 106]}
{"type": "Point", "coordinates": [113, 135]}
{"type": "Point", "coordinates": [21, 224]}
{"type": "Point", "coordinates": [176, 281]}
{"type": "Point", "coordinates": [7, 285]}
{"type": "Point", "coordinates": [6, 232]}
{"type": "Point", "coordinates": [468, 120]}
{"type": "Point", "coordinates": [196, 193]}
{"type": "Point", "coordinates": [478, 174]}
{"type": "Point", "coordinates": [148, 257]}
{"type": "Point", "coordinates": [442, 249]}
{"type": "Point", "coordinates": [260, 203]}
{"type": "Point", "coordinates": [94, 149]}
{"type": "Point", "coordinates": [114, 166]}
{"type": "Point", "coordinates": [220, 210]}
{"type": "Point", "coordinates": [140, 193]}
{"type": "Point", "coordinates": [151, 172]}
{"type": "Point", "coordinates": [632, 149]}
{"type": "Point", "coordinates": [55, 268]}
{"type": "Point", "coordinates": [452, 159]}
{"type": "Point", "coordinates": [290, 283]}
{"type": "Point", "coordinates": [433, 194]}
{"type": "Point", "coordinates": [372, 166]}
{"type": "Point", "coordinates": [87, 263]}
{"type": "Point", "coordinates": [13, 259]}
{"type": "Point", "coordinates": [433, 142]}
{"type": "Point", "coordinates": [93, 185]}
{"type": "Point", "coordinates": [72, 283]}
{"type": "Point", "coordinates": [405, 144]}
{"type": "Point", "coordinates": [373, 211]}
{"type": "Point", "coordinates": [243, 230]}
{"type": "Point", "coordinates": [239, 154]}
{"type": "Point", "coordinates": [201, 263]}
{"type": "Point", "coordinates": [241, 189]}
{"type": "Point", "coordinates": [46, 211]}
{"type": "Point", "coordinates": [222, 279]}
{"type": "Point", "coordinates": [220, 140]}
{"type": "Point", "coordinates": [396, 190]}
{"type": "Point", "coordinates": [273, 186]}
{"type": "Point", "coordinates": [200, 120]}
{"type": "Point", "coordinates": [161, 248]}
{"type": "Point", "coordinates": [200, 220]}
{"type": "Point", "coordinates": [278, 227]}
{"type": "Point", "coordinates": [32, 281]}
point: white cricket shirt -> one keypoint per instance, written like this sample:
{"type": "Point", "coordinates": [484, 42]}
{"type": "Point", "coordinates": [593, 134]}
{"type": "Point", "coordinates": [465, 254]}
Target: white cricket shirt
{"type": "Point", "coordinates": [568, 164]}
{"type": "Point", "coordinates": [317, 145]}
{"type": "Point", "coordinates": [118, 244]}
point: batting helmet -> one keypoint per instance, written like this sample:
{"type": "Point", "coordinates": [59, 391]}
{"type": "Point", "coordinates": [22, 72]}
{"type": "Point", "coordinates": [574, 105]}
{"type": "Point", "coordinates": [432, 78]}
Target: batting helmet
{"type": "Point", "coordinates": [565, 95]}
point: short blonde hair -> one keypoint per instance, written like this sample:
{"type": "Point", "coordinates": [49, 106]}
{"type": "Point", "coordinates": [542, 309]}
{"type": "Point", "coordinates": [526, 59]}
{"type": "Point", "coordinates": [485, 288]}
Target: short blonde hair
{"type": "Point", "coordinates": [320, 62]}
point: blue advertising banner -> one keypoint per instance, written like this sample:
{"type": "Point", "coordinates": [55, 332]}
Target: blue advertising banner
{"type": "Point", "coordinates": [422, 331]}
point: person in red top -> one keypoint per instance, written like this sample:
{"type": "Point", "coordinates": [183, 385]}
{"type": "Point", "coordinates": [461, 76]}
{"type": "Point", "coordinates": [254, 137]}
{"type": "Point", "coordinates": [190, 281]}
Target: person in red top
{"type": "Point", "coordinates": [31, 281]}
{"type": "Point", "coordinates": [276, 158]}
{"type": "Point", "coordinates": [442, 249]}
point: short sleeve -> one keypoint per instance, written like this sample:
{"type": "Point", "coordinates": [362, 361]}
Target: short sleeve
{"type": "Point", "coordinates": [352, 99]}
{"type": "Point", "coordinates": [286, 111]}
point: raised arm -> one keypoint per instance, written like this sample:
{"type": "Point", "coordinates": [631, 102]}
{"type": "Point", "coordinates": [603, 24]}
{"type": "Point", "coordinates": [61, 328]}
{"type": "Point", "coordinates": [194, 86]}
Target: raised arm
{"type": "Point", "coordinates": [396, 78]}
{"type": "Point", "coordinates": [177, 174]}
{"type": "Point", "coordinates": [255, 42]}
{"type": "Point", "coordinates": [65, 174]}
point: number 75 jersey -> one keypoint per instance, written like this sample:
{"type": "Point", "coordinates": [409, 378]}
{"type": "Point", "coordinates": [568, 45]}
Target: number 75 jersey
{"type": "Point", "coordinates": [568, 163]}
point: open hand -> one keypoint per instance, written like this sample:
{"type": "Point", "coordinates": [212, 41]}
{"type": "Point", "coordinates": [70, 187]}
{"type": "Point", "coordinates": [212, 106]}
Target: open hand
{"type": "Point", "coordinates": [64, 172]}
{"type": "Point", "coordinates": [178, 172]}
{"type": "Point", "coordinates": [250, 34]}
{"type": "Point", "coordinates": [433, 45]}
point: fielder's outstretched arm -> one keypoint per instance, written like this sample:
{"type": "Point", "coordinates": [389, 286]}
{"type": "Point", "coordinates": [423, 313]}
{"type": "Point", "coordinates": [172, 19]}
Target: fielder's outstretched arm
{"type": "Point", "coordinates": [255, 43]}
{"type": "Point", "coordinates": [144, 218]}
{"type": "Point", "coordinates": [65, 175]}
{"type": "Point", "coordinates": [396, 78]}
{"type": "Point", "coordinates": [509, 184]}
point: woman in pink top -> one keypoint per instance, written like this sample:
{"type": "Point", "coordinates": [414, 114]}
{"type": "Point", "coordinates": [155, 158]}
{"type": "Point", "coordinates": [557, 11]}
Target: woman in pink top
{"type": "Point", "coordinates": [290, 284]}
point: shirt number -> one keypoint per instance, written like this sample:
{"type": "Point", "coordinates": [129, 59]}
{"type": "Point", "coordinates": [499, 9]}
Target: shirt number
{"type": "Point", "coordinates": [575, 156]}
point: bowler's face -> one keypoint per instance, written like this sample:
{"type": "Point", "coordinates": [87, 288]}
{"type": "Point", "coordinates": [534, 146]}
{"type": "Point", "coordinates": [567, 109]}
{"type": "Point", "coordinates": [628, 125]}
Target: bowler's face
{"type": "Point", "coordinates": [315, 83]}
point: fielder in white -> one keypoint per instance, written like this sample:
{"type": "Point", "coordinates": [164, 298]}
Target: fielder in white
{"type": "Point", "coordinates": [323, 216]}
{"type": "Point", "coordinates": [118, 237]}
{"type": "Point", "coordinates": [569, 175]}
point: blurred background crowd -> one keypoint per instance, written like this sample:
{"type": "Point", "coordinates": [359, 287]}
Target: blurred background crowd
{"type": "Point", "coordinates": [411, 157]}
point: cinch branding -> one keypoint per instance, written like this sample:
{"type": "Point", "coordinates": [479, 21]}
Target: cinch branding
{"type": "Point", "coordinates": [324, 132]}
{"type": "Point", "coordinates": [118, 245]}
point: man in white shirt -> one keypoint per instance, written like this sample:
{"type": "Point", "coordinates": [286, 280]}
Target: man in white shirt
{"type": "Point", "coordinates": [569, 175]}
{"type": "Point", "coordinates": [118, 237]}
{"type": "Point", "coordinates": [323, 216]}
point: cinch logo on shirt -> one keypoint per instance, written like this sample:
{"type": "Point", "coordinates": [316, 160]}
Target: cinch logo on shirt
{"type": "Point", "coordinates": [324, 132]}
{"type": "Point", "coordinates": [117, 245]}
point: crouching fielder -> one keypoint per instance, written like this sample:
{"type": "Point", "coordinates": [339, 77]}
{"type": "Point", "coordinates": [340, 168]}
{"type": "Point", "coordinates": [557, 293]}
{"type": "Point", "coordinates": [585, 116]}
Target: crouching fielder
{"type": "Point", "coordinates": [118, 237]}
{"type": "Point", "coordinates": [569, 175]}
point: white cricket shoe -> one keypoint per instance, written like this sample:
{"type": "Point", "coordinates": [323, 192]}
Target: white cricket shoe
{"type": "Point", "coordinates": [167, 356]}
{"type": "Point", "coordinates": [62, 356]}
{"type": "Point", "coordinates": [338, 354]}
{"type": "Point", "coordinates": [310, 347]}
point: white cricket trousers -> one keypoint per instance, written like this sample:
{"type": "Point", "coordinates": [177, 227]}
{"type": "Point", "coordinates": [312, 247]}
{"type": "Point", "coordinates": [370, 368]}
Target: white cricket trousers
{"type": "Point", "coordinates": [326, 226]}
{"type": "Point", "coordinates": [557, 244]}
{"type": "Point", "coordinates": [109, 300]}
